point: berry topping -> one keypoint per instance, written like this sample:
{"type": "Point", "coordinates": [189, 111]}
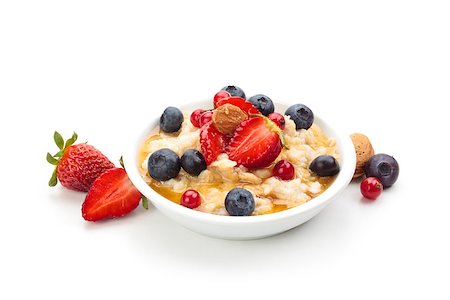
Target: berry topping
{"type": "Point", "coordinates": [234, 91]}
{"type": "Point", "coordinates": [211, 142]}
{"type": "Point", "coordinates": [205, 118]}
{"type": "Point", "coordinates": [191, 199]}
{"type": "Point", "coordinates": [193, 162]}
{"type": "Point", "coordinates": [263, 103]}
{"type": "Point", "coordinates": [284, 170]}
{"type": "Point", "coordinates": [164, 164]}
{"type": "Point", "coordinates": [371, 188]}
{"type": "Point", "coordinates": [195, 117]}
{"type": "Point", "coordinates": [77, 166]}
{"type": "Point", "coordinates": [239, 202]}
{"type": "Point", "coordinates": [171, 120]}
{"type": "Point", "coordinates": [245, 106]}
{"type": "Point", "coordinates": [112, 195]}
{"type": "Point", "coordinates": [384, 167]}
{"type": "Point", "coordinates": [278, 119]}
{"type": "Point", "coordinates": [227, 118]}
{"type": "Point", "coordinates": [302, 116]}
{"type": "Point", "coordinates": [219, 96]}
{"type": "Point", "coordinates": [325, 165]}
{"type": "Point", "coordinates": [256, 143]}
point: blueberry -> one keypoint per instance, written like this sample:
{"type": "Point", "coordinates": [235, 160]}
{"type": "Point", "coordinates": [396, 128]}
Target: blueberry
{"type": "Point", "coordinates": [171, 120]}
{"type": "Point", "coordinates": [325, 165]}
{"type": "Point", "coordinates": [263, 103]}
{"type": "Point", "coordinates": [384, 167]}
{"type": "Point", "coordinates": [234, 91]}
{"type": "Point", "coordinates": [164, 164]}
{"type": "Point", "coordinates": [302, 116]}
{"type": "Point", "coordinates": [193, 162]}
{"type": "Point", "coordinates": [239, 202]}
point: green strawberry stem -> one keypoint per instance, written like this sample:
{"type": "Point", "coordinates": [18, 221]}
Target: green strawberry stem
{"type": "Point", "coordinates": [144, 202]}
{"type": "Point", "coordinates": [54, 159]}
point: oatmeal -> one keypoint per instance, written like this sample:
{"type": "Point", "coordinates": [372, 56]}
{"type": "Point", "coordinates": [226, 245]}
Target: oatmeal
{"type": "Point", "coordinates": [271, 194]}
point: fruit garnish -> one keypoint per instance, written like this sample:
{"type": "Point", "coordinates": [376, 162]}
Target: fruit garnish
{"type": "Point", "coordinates": [234, 91]}
{"type": "Point", "coordinates": [371, 188]}
{"type": "Point", "coordinates": [226, 118]}
{"type": "Point", "coordinates": [112, 195]}
{"type": "Point", "coordinates": [278, 119]}
{"type": "Point", "coordinates": [256, 143]}
{"type": "Point", "coordinates": [325, 165]}
{"type": "Point", "coordinates": [263, 103]}
{"type": "Point", "coordinates": [302, 116]}
{"type": "Point", "coordinates": [245, 106]}
{"type": "Point", "coordinates": [205, 118]}
{"type": "Point", "coordinates": [171, 120]}
{"type": "Point", "coordinates": [384, 167]}
{"type": "Point", "coordinates": [163, 164]}
{"type": "Point", "coordinates": [219, 96]}
{"type": "Point", "coordinates": [193, 162]}
{"type": "Point", "coordinates": [211, 142]}
{"type": "Point", "coordinates": [239, 202]}
{"type": "Point", "coordinates": [195, 117]}
{"type": "Point", "coordinates": [191, 199]}
{"type": "Point", "coordinates": [76, 166]}
{"type": "Point", "coordinates": [284, 170]}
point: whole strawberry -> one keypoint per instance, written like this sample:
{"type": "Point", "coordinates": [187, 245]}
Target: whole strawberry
{"type": "Point", "coordinates": [77, 166]}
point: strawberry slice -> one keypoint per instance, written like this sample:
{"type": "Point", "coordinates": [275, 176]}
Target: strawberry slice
{"type": "Point", "coordinates": [112, 195]}
{"type": "Point", "coordinates": [256, 143]}
{"type": "Point", "coordinates": [245, 106]}
{"type": "Point", "coordinates": [211, 142]}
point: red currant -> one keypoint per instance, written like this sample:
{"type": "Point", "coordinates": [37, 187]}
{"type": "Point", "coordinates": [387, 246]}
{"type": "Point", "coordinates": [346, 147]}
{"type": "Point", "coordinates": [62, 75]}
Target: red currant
{"type": "Point", "coordinates": [284, 170]}
{"type": "Point", "coordinates": [191, 199]}
{"type": "Point", "coordinates": [205, 118]}
{"type": "Point", "coordinates": [371, 188]}
{"type": "Point", "coordinates": [219, 96]}
{"type": "Point", "coordinates": [195, 117]}
{"type": "Point", "coordinates": [278, 119]}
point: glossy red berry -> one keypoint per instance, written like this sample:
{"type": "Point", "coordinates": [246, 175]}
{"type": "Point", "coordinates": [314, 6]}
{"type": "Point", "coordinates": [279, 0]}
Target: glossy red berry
{"type": "Point", "coordinates": [195, 117]}
{"type": "Point", "coordinates": [371, 188]}
{"type": "Point", "coordinates": [284, 170]}
{"type": "Point", "coordinates": [191, 199]}
{"type": "Point", "coordinates": [219, 96]}
{"type": "Point", "coordinates": [205, 118]}
{"type": "Point", "coordinates": [278, 119]}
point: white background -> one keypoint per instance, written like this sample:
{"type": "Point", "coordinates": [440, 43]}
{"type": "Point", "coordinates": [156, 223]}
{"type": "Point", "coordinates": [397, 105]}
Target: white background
{"type": "Point", "coordinates": [102, 67]}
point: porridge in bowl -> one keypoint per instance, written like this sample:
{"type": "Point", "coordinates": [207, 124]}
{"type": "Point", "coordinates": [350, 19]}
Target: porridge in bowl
{"type": "Point", "coordinates": [239, 159]}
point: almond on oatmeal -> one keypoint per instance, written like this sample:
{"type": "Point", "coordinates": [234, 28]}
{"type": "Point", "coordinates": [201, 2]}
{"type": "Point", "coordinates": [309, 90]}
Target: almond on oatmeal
{"type": "Point", "coordinates": [227, 117]}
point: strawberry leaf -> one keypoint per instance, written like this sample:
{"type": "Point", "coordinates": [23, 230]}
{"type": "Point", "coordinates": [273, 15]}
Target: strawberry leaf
{"type": "Point", "coordinates": [51, 159]}
{"type": "Point", "coordinates": [121, 162]}
{"type": "Point", "coordinates": [72, 140]}
{"type": "Point", "coordinates": [53, 180]}
{"type": "Point", "coordinates": [59, 154]}
{"type": "Point", "coordinates": [144, 202]}
{"type": "Point", "coordinates": [59, 141]}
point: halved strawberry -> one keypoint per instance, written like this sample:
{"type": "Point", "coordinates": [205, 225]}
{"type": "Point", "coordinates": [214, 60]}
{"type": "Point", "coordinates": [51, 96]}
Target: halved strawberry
{"type": "Point", "coordinates": [211, 142]}
{"type": "Point", "coordinates": [245, 106]}
{"type": "Point", "coordinates": [112, 195]}
{"type": "Point", "coordinates": [256, 143]}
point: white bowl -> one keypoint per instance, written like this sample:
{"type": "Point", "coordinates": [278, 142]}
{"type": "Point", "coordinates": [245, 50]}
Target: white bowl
{"type": "Point", "coordinates": [250, 227]}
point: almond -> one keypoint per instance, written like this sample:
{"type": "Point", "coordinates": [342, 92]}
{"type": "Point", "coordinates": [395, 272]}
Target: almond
{"type": "Point", "coordinates": [364, 151]}
{"type": "Point", "coordinates": [227, 117]}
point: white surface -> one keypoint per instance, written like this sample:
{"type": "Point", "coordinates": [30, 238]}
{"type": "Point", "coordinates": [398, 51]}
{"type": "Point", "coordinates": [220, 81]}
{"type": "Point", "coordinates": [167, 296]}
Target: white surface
{"type": "Point", "coordinates": [98, 67]}
{"type": "Point", "coordinates": [242, 228]}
